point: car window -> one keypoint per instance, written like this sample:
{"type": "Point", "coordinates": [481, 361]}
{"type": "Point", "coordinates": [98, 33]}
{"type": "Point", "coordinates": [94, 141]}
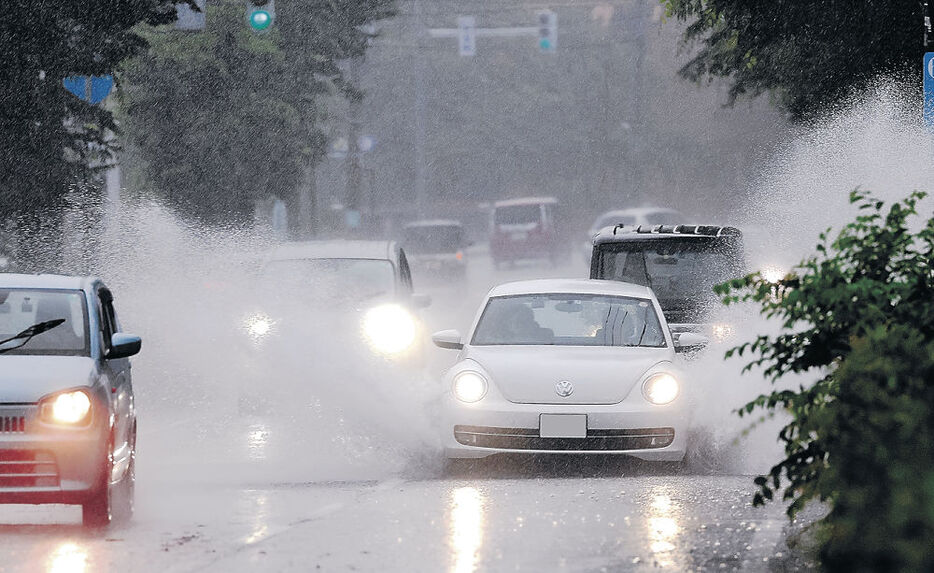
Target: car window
{"type": "Point", "coordinates": [336, 278]}
{"type": "Point", "coordinates": [569, 320]}
{"type": "Point", "coordinates": [22, 308]}
{"type": "Point", "coordinates": [675, 270]}
{"type": "Point", "coordinates": [517, 214]}
{"type": "Point", "coordinates": [431, 239]}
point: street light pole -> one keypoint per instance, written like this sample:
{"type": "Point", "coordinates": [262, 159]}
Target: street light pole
{"type": "Point", "coordinates": [419, 71]}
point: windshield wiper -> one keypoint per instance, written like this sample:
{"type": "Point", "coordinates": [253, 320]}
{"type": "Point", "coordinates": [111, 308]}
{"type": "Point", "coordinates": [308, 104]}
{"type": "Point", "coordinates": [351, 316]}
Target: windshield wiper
{"type": "Point", "coordinates": [30, 332]}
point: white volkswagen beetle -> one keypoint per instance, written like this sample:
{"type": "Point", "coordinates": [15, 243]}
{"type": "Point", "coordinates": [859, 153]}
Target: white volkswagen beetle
{"type": "Point", "coordinates": [566, 366]}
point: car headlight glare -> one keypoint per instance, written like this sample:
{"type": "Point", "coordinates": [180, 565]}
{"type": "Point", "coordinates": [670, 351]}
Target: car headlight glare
{"type": "Point", "coordinates": [661, 389]}
{"type": "Point", "coordinates": [773, 274]}
{"type": "Point", "coordinates": [70, 408]}
{"type": "Point", "coordinates": [722, 332]}
{"type": "Point", "coordinates": [258, 326]}
{"type": "Point", "coordinates": [469, 386]}
{"type": "Point", "coordinates": [389, 328]}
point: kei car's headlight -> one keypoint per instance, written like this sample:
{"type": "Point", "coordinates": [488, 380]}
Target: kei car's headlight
{"type": "Point", "coordinates": [389, 328]}
{"type": "Point", "coordinates": [661, 389]}
{"type": "Point", "coordinates": [70, 408]}
{"type": "Point", "coordinates": [469, 386]}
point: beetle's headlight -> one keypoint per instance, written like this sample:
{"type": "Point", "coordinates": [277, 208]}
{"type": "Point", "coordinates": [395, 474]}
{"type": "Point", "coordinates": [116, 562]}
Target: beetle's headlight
{"type": "Point", "coordinates": [389, 328]}
{"type": "Point", "coordinates": [70, 408]}
{"type": "Point", "coordinates": [469, 386]}
{"type": "Point", "coordinates": [661, 389]}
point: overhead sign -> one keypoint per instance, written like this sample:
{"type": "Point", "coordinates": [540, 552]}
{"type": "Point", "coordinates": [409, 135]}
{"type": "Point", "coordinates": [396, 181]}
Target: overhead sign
{"type": "Point", "coordinates": [929, 88]}
{"type": "Point", "coordinates": [93, 89]}
{"type": "Point", "coordinates": [467, 35]}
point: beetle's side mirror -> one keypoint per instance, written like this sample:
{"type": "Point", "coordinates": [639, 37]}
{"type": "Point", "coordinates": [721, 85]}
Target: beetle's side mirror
{"type": "Point", "coordinates": [690, 342]}
{"type": "Point", "coordinates": [448, 339]}
{"type": "Point", "coordinates": [124, 345]}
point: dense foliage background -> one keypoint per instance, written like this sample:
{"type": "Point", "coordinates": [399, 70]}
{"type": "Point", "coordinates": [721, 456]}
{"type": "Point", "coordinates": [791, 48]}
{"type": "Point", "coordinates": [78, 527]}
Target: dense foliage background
{"type": "Point", "coordinates": [859, 315]}
{"type": "Point", "coordinates": [50, 139]}
{"type": "Point", "coordinates": [808, 53]}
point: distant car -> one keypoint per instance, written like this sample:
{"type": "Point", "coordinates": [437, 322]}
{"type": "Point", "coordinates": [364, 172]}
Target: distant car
{"type": "Point", "coordinates": [526, 228]}
{"type": "Point", "coordinates": [341, 300]}
{"type": "Point", "coordinates": [646, 216]}
{"type": "Point", "coordinates": [569, 366]}
{"type": "Point", "coordinates": [436, 248]}
{"type": "Point", "coordinates": [67, 414]}
{"type": "Point", "coordinates": [680, 263]}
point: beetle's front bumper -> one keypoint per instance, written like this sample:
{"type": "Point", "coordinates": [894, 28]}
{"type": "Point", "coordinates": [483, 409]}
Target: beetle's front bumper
{"type": "Point", "coordinates": [44, 464]}
{"type": "Point", "coordinates": [642, 430]}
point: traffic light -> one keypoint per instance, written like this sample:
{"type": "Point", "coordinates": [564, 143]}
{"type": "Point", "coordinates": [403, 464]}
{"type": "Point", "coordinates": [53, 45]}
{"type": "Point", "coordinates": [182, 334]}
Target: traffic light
{"type": "Point", "coordinates": [260, 14]}
{"type": "Point", "coordinates": [547, 31]}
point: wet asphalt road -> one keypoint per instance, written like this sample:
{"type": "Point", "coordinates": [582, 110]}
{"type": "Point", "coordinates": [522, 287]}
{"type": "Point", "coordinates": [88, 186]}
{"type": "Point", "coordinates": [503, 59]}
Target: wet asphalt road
{"type": "Point", "coordinates": [331, 492]}
{"type": "Point", "coordinates": [526, 518]}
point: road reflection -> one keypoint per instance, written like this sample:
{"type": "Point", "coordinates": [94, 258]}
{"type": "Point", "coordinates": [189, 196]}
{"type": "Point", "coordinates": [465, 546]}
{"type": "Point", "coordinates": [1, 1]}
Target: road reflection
{"type": "Point", "coordinates": [256, 505]}
{"type": "Point", "coordinates": [256, 441]}
{"type": "Point", "coordinates": [663, 529]}
{"type": "Point", "coordinates": [69, 557]}
{"type": "Point", "coordinates": [467, 523]}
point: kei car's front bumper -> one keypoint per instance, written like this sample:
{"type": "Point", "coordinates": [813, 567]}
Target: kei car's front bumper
{"type": "Point", "coordinates": [631, 427]}
{"type": "Point", "coordinates": [43, 464]}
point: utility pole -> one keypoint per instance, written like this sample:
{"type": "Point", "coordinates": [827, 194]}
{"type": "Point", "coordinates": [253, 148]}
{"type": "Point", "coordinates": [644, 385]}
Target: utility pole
{"type": "Point", "coordinates": [354, 174]}
{"type": "Point", "coordinates": [419, 69]}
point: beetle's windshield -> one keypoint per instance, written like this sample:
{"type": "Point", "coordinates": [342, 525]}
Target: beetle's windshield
{"type": "Point", "coordinates": [569, 320]}
{"type": "Point", "coordinates": [22, 308]}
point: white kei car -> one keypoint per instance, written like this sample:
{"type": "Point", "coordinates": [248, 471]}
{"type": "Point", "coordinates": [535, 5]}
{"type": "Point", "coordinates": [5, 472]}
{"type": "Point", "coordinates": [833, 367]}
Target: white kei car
{"type": "Point", "coordinates": [571, 366]}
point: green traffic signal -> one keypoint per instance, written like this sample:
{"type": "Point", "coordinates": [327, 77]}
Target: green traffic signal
{"type": "Point", "coordinates": [260, 19]}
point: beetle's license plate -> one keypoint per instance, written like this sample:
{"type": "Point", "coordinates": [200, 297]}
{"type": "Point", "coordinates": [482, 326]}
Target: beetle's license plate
{"type": "Point", "coordinates": [562, 426]}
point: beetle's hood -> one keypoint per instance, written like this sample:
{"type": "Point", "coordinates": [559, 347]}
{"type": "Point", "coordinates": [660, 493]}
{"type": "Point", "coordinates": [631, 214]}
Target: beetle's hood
{"type": "Point", "coordinates": [599, 374]}
{"type": "Point", "coordinates": [25, 379]}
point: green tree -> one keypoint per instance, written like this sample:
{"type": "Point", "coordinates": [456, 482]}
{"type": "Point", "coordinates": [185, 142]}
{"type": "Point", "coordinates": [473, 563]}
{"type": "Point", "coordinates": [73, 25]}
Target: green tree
{"type": "Point", "coordinates": [225, 116]}
{"type": "Point", "coordinates": [49, 138]}
{"type": "Point", "coordinates": [807, 53]}
{"type": "Point", "coordinates": [859, 314]}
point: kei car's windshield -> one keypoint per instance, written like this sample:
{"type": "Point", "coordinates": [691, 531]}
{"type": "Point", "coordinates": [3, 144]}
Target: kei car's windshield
{"type": "Point", "coordinates": [331, 278]}
{"type": "Point", "coordinates": [431, 239]}
{"type": "Point", "coordinates": [22, 308]}
{"type": "Point", "coordinates": [569, 320]}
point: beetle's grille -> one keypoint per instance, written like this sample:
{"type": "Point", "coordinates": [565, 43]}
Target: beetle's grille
{"type": "Point", "coordinates": [596, 440]}
{"type": "Point", "coordinates": [28, 468]}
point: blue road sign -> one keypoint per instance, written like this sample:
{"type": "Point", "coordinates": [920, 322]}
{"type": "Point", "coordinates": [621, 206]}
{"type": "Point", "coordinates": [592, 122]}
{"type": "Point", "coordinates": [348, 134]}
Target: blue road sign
{"type": "Point", "coordinates": [929, 88]}
{"type": "Point", "coordinates": [94, 91]}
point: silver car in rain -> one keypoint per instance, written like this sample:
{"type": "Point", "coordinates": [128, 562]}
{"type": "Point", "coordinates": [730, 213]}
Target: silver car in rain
{"type": "Point", "coordinates": [67, 415]}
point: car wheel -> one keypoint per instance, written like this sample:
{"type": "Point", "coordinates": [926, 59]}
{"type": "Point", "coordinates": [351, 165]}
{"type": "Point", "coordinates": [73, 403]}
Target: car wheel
{"type": "Point", "coordinates": [124, 493]}
{"type": "Point", "coordinates": [97, 511]}
{"type": "Point", "coordinates": [112, 503]}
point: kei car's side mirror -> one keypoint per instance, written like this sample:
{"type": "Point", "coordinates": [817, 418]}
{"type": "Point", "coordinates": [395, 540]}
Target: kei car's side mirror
{"type": "Point", "coordinates": [124, 345]}
{"type": "Point", "coordinates": [421, 300]}
{"type": "Point", "coordinates": [689, 341]}
{"type": "Point", "coordinates": [448, 339]}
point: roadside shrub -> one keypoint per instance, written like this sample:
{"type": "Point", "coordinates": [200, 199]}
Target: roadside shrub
{"type": "Point", "coordinates": [863, 303]}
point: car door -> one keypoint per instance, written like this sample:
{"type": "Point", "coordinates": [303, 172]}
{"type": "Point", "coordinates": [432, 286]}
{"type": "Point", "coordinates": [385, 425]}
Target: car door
{"type": "Point", "coordinates": [117, 372]}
